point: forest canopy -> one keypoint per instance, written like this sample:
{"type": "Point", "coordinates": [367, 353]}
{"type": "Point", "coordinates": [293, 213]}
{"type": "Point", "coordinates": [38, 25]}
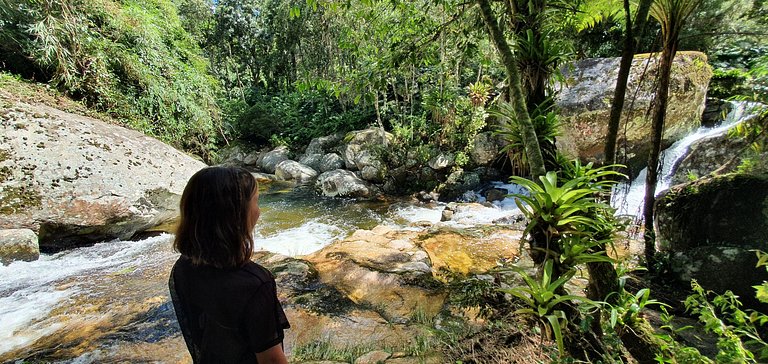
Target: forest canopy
{"type": "Point", "coordinates": [199, 73]}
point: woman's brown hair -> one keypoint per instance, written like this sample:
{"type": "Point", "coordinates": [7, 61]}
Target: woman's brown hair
{"type": "Point", "coordinates": [214, 228]}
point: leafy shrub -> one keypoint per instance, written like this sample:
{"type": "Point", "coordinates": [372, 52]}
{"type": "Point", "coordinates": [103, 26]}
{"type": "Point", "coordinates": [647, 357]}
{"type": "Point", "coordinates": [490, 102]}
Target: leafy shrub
{"type": "Point", "coordinates": [129, 58]}
{"type": "Point", "coordinates": [294, 118]}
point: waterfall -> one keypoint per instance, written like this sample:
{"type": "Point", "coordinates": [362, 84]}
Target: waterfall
{"type": "Point", "coordinates": [628, 199]}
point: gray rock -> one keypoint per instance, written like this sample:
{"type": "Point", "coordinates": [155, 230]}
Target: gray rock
{"type": "Point", "coordinates": [373, 173]}
{"type": "Point", "coordinates": [76, 180]}
{"type": "Point", "coordinates": [457, 183]}
{"type": "Point", "coordinates": [273, 158]}
{"type": "Point", "coordinates": [330, 162]}
{"type": "Point", "coordinates": [323, 145]}
{"type": "Point", "coordinates": [720, 269]}
{"type": "Point", "coordinates": [485, 148]}
{"type": "Point", "coordinates": [289, 170]}
{"type": "Point", "coordinates": [357, 152]}
{"type": "Point", "coordinates": [494, 194]}
{"type": "Point", "coordinates": [447, 215]}
{"type": "Point", "coordinates": [18, 244]}
{"type": "Point", "coordinates": [728, 210]}
{"type": "Point", "coordinates": [442, 161]}
{"type": "Point", "coordinates": [707, 155]}
{"type": "Point", "coordinates": [710, 226]}
{"type": "Point", "coordinates": [585, 100]}
{"type": "Point", "coordinates": [252, 158]}
{"type": "Point", "coordinates": [342, 183]}
{"type": "Point", "coordinates": [314, 161]}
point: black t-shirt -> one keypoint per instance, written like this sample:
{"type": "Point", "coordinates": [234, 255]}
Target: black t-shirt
{"type": "Point", "coordinates": [226, 315]}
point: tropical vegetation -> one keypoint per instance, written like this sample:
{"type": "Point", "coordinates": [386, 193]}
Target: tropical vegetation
{"type": "Point", "coordinates": [201, 74]}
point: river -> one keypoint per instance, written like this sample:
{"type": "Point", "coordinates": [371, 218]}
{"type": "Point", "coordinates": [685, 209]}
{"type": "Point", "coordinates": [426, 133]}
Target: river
{"type": "Point", "coordinates": [109, 302]}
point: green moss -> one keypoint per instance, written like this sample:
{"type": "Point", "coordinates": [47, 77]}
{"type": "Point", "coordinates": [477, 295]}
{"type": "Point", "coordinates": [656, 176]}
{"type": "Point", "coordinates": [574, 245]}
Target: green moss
{"type": "Point", "coordinates": [4, 155]}
{"type": "Point", "coordinates": [16, 199]}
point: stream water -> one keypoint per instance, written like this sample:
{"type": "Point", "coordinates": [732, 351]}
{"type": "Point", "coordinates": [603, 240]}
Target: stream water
{"type": "Point", "coordinates": [109, 302]}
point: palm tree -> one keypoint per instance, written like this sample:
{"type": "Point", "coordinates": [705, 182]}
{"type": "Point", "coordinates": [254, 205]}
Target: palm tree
{"type": "Point", "coordinates": [672, 15]}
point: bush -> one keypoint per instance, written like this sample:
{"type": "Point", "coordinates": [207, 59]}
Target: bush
{"type": "Point", "coordinates": [129, 58]}
{"type": "Point", "coordinates": [294, 118]}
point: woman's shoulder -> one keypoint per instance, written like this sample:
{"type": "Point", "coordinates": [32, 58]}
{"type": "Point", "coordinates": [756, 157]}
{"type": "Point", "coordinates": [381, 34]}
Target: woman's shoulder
{"type": "Point", "coordinates": [258, 271]}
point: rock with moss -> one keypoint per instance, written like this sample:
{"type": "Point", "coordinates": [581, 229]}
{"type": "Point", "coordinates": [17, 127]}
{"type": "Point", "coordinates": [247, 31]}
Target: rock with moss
{"type": "Point", "coordinates": [585, 101]}
{"type": "Point", "coordinates": [710, 227]}
{"type": "Point", "coordinates": [18, 245]}
{"type": "Point", "coordinates": [76, 180]}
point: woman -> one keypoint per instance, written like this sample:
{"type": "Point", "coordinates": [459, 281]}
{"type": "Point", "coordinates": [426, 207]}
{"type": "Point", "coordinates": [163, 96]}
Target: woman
{"type": "Point", "coordinates": [226, 304]}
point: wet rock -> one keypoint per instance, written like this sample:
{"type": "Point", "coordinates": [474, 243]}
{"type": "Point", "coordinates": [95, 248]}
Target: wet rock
{"type": "Point", "coordinates": [585, 101]}
{"type": "Point", "coordinates": [707, 155]}
{"type": "Point", "coordinates": [343, 183]}
{"type": "Point", "coordinates": [457, 183]}
{"type": "Point", "coordinates": [75, 180]}
{"type": "Point", "coordinates": [728, 210]}
{"type": "Point", "coordinates": [18, 244]}
{"type": "Point", "coordinates": [710, 225]}
{"type": "Point", "coordinates": [446, 215]}
{"type": "Point", "coordinates": [495, 194]}
{"type": "Point", "coordinates": [273, 158]}
{"type": "Point", "coordinates": [715, 111]}
{"type": "Point", "coordinates": [289, 170]}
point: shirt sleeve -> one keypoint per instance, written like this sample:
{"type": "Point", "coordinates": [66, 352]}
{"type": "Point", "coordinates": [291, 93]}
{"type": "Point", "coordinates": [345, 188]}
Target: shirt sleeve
{"type": "Point", "coordinates": [264, 319]}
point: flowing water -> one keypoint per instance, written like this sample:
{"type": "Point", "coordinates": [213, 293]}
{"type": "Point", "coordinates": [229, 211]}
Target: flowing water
{"type": "Point", "coordinates": [109, 302]}
{"type": "Point", "coordinates": [628, 198]}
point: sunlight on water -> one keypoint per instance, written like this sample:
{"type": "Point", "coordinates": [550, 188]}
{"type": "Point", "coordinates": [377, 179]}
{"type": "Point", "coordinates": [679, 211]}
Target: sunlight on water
{"type": "Point", "coordinates": [300, 240]}
{"type": "Point", "coordinates": [31, 291]}
{"type": "Point", "coordinates": [628, 199]}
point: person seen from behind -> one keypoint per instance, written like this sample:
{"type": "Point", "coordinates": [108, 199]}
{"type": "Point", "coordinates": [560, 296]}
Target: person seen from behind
{"type": "Point", "coordinates": [226, 305]}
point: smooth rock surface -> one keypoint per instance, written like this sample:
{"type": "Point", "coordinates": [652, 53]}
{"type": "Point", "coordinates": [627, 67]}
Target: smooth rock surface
{"type": "Point", "coordinates": [289, 170]}
{"type": "Point", "coordinates": [76, 180]}
{"type": "Point", "coordinates": [18, 244]}
{"type": "Point", "coordinates": [272, 158]}
{"type": "Point", "coordinates": [343, 183]}
{"type": "Point", "coordinates": [585, 101]}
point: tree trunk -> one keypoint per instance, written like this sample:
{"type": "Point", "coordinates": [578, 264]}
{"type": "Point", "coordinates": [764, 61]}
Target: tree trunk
{"type": "Point", "coordinates": [517, 98]}
{"type": "Point", "coordinates": [640, 340]}
{"type": "Point", "coordinates": [657, 128]}
{"type": "Point", "coordinates": [634, 33]}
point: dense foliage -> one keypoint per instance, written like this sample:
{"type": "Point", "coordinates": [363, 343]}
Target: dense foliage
{"type": "Point", "coordinates": [129, 58]}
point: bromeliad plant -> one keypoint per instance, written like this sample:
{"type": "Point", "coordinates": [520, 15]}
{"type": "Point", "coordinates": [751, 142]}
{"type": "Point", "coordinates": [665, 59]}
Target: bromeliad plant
{"type": "Point", "coordinates": [561, 224]}
{"type": "Point", "coordinates": [543, 300]}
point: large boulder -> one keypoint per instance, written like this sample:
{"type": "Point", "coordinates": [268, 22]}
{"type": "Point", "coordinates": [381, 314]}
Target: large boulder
{"type": "Point", "coordinates": [289, 170]}
{"type": "Point", "coordinates": [330, 162]}
{"type": "Point", "coordinates": [357, 151]}
{"type": "Point", "coordinates": [400, 271]}
{"type": "Point", "coordinates": [585, 102]}
{"type": "Point", "coordinates": [272, 158]}
{"type": "Point", "coordinates": [325, 144]}
{"type": "Point", "coordinates": [707, 155]}
{"type": "Point", "coordinates": [76, 180]}
{"type": "Point", "coordinates": [343, 183]}
{"type": "Point", "coordinates": [709, 226]}
{"type": "Point", "coordinates": [18, 244]}
{"type": "Point", "coordinates": [485, 148]}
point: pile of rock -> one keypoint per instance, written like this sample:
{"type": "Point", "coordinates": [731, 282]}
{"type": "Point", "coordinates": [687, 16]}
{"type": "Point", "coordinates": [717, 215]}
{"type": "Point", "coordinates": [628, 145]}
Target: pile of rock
{"type": "Point", "coordinates": [351, 166]}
